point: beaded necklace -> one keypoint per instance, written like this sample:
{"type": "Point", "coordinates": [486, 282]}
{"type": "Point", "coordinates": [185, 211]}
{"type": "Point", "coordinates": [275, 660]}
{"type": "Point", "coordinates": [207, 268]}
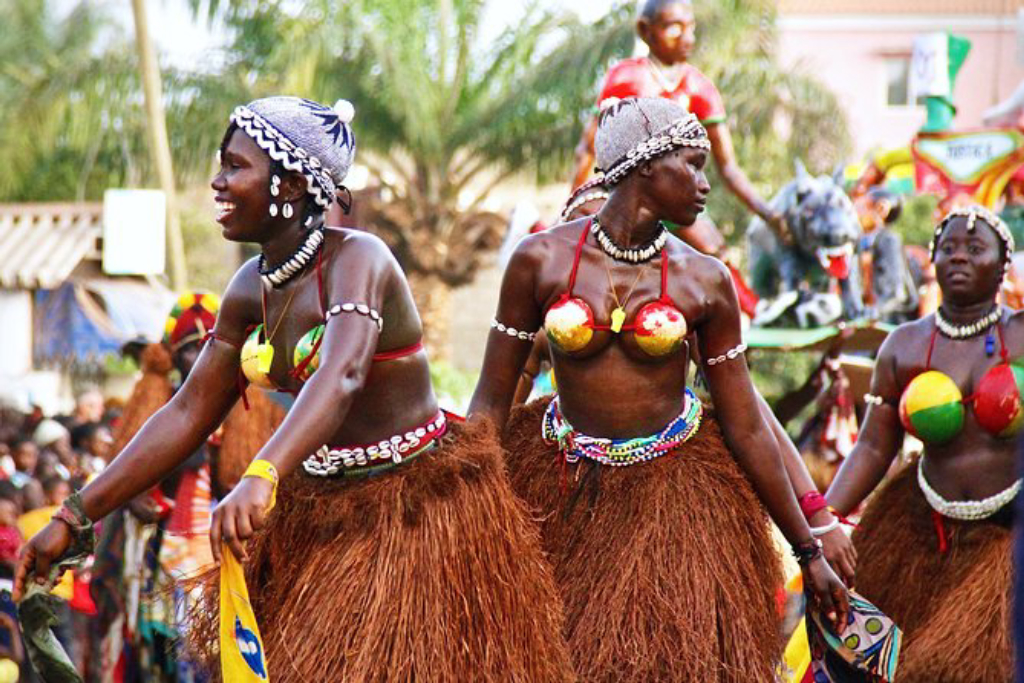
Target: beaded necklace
{"type": "Point", "coordinates": [640, 254]}
{"type": "Point", "coordinates": [971, 329]}
{"type": "Point", "coordinates": [292, 266]}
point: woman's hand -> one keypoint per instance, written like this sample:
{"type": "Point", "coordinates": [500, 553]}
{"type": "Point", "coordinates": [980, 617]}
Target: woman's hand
{"type": "Point", "coordinates": [39, 553]}
{"type": "Point", "coordinates": [827, 591]}
{"type": "Point", "coordinates": [239, 515]}
{"type": "Point", "coordinates": [841, 554]}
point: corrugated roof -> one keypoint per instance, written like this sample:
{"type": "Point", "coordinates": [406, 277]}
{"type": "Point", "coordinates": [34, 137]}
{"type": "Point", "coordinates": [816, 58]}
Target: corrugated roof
{"type": "Point", "coordinates": [927, 7]}
{"type": "Point", "coordinates": [40, 244]}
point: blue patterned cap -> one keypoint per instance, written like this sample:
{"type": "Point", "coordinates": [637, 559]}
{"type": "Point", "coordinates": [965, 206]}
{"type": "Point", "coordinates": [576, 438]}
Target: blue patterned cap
{"type": "Point", "coordinates": [303, 136]}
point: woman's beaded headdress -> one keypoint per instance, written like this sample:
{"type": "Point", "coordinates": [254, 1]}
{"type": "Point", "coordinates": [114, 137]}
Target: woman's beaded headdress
{"type": "Point", "coordinates": [972, 213]}
{"type": "Point", "coordinates": [637, 129]}
{"type": "Point", "coordinates": [303, 136]}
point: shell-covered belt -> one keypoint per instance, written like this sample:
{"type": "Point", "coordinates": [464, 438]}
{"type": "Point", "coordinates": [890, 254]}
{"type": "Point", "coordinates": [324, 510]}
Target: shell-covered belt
{"type": "Point", "coordinates": [968, 510]}
{"type": "Point", "coordinates": [370, 458]}
{"type": "Point", "coordinates": [620, 452]}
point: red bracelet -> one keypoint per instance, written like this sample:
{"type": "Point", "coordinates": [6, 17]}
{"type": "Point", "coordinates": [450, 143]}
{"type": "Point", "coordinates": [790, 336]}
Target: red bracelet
{"type": "Point", "coordinates": [811, 503]}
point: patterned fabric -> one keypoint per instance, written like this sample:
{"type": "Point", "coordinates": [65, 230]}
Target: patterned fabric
{"type": "Point", "coordinates": [868, 650]}
{"type": "Point", "coordinates": [620, 452]}
{"type": "Point", "coordinates": [193, 315]}
{"type": "Point", "coordinates": [638, 77]}
{"type": "Point", "coordinates": [305, 137]}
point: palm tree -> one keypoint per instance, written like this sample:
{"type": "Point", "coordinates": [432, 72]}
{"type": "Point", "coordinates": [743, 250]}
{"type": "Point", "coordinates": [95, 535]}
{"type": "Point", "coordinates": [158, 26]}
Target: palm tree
{"type": "Point", "coordinates": [72, 120]}
{"type": "Point", "coordinates": [444, 116]}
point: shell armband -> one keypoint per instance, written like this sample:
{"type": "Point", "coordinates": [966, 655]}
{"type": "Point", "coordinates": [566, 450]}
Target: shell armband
{"type": "Point", "coordinates": [361, 309]}
{"type": "Point", "coordinates": [513, 332]}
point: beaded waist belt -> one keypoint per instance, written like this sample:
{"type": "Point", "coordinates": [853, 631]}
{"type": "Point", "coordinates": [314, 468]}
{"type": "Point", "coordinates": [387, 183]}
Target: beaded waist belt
{"type": "Point", "coordinates": [376, 457]}
{"type": "Point", "coordinates": [620, 452]}
{"type": "Point", "coordinates": [965, 509]}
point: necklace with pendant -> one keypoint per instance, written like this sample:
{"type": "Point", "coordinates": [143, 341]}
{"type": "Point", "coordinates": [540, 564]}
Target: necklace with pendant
{"type": "Point", "coordinates": [265, 349]}
{"type": "Point", "coordinates": [619, 312]}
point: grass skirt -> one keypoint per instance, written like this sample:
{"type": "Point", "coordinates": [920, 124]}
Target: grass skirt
{"type": "Point", "coordinates": [667, 569]}
{"type": "Point", "coordinates": [953, 607]}
{"type": "Point", "coordinates": [431, 572]}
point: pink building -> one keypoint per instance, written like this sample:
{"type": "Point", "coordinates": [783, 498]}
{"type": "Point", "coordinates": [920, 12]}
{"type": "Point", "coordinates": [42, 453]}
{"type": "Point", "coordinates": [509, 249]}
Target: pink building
{"type": "Point", "coordinates": [861, 50]}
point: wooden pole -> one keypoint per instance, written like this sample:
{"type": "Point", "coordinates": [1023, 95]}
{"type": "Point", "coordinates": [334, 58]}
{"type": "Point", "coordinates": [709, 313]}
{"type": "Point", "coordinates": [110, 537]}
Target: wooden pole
{"type": "Point", "coordinates": [159, 145]}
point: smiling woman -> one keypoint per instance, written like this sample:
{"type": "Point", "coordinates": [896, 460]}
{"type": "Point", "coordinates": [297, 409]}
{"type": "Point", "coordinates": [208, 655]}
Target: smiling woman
{"type": "Point", "coordinates": [396, 550]}
{"type": "Point", "coordinates": [934, 542]}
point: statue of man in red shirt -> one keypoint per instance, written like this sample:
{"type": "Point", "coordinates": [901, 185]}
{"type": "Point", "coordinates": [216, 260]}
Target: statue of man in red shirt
{"type": "Point", "coordinates": [669, 29]}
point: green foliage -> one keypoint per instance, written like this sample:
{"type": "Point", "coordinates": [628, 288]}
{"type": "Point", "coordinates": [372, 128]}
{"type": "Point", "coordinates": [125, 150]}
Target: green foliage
{"type": "Point", "coordinates": [72, 114]}
{"type": "Point", "coordinates": [917, 220]}
{"type": "Point", "coordinates": [453, 387]}
{"type": "Point", "coordinates": [777, 373]}
{"type": "Point", "coordinates": [766, 104]}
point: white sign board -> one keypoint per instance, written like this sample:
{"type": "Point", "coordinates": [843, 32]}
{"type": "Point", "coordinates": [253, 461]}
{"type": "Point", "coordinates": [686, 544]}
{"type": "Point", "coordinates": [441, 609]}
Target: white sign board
{"type": "Point", "coordinates": [134, 229]}
{"type": "Point", "coordinates": [929, 66]}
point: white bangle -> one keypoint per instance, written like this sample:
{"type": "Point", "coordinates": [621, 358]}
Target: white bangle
{"type": "Point", "coordinates": [822, 530]}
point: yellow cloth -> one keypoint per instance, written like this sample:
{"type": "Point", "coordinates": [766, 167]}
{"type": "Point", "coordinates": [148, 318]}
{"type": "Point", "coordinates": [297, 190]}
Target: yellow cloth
{"type": "Point", "coordinates": [31, 523]}
{"type": "Point", "coordinates": [242, 657]}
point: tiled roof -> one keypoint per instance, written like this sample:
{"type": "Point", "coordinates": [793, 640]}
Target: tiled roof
{"type": "Point", "coordinates": [927, 7]}
{"type": "Point", "coordinates": [40, 244]}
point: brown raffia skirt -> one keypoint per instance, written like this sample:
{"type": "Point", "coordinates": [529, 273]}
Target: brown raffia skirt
{"type": "Point", "coordinates": [667, 568]}
{"type": "Point", "coordinates": [431, 572]}
{"type": "Point", "coordinates": [954, 607]}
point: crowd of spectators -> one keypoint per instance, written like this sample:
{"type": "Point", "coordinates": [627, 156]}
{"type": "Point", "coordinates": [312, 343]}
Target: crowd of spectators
{"type": "Point", "coordinates": [42, 460]}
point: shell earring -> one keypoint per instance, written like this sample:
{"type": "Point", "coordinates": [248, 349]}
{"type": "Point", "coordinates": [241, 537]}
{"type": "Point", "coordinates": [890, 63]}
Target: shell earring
{"type": "Point", "coordinates": [273, 209]}
{"type": "Point", "coordinates": [286, 210]}
{"type": "Point", "coordinates": [275, 185]}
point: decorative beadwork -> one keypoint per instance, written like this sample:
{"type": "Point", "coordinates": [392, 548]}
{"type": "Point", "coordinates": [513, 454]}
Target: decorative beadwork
{"type": "Point", "coordinates": [581, 200]}
{"type": "Point", "coordinates": [319, 182]}
{"type": "Point", "coordinates": [973, 213]}
{"type": "Point", "coordinates": [873, 399]}
{"type": "Point", "coordinates": [629, 254]}
{"type": "Point", "coordinates": [329, 461]}
{"type": "Point", "coordinates": [732, 354]}
{"type": "Point", "coordinates": [687, 132]}
{"type": "Point", "coordinates": [620, 452]}
{"type": "Point", "coordinates": [361, 309]}
{"type": "Point", "coordinates": [513, 332]}
{"type": "Point", "coordinates": [973, 329]}
{"type": "Point", "coordinates": [965, 509]}
{"type": "Point", "coordinates": [294, 264]}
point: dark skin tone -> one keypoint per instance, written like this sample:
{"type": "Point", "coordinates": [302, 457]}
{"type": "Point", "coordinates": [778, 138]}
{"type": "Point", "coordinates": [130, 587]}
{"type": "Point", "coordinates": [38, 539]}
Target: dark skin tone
{"type": "Point", "coordinates": [672, 187]}
{"type": "Point", "coordinates": [975, 464]}
{"type": "Point", "coordinates": [671, 36]}
{"type": "Point", "coordinates": [348, 400]}
{"type": "Point", "coordinates": [838, 547]}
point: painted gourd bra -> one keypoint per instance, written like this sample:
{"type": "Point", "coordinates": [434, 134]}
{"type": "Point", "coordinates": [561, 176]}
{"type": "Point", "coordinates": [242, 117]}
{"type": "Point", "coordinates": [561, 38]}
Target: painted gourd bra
{"type": "Point", "coordinates": [659, 327]}
{"type": "Point", "coordinates": [932, 407]}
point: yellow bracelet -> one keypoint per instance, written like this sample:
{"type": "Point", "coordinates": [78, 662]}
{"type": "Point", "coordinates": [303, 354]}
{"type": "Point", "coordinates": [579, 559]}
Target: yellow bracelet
{"type": "Point", "coordinates": [264, 469]}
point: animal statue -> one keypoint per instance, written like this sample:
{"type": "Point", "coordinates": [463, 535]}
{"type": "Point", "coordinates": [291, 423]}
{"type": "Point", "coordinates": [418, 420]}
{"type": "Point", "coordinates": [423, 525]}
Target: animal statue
{"type": "Point", "coordinates": [796, 281]}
